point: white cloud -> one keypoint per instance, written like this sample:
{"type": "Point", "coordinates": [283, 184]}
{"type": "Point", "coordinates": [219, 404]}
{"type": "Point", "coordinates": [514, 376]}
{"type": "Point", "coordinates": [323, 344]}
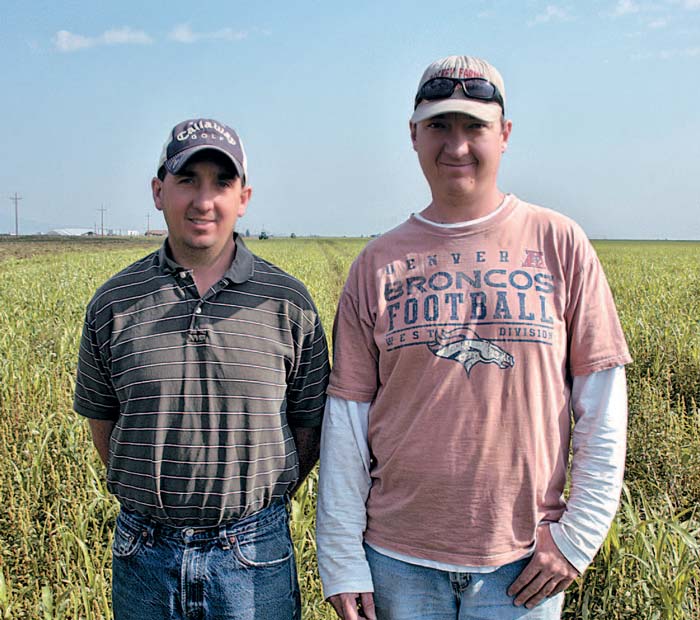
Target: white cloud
{"type": "Point", "coordinates": [65, 41]}
{"type": "Point", "coordinates": [658, 23]}
{"type": "Point", "coordinates": [551, 13]}
{"type": "Point", "coordinates": [691, 4]}
{"type": "Point", "coordinates": [68, 42]}
{"type": "Point", "coordinates": [228, 34]}
{"type": "Point", "coordinates": [126, 35]}
{"type": "Point", "coordinates": [688, 52]}
{"type": "Point", "coordinates": [625, 7]}
{"type": "Point", "coordinates": [183, 33]}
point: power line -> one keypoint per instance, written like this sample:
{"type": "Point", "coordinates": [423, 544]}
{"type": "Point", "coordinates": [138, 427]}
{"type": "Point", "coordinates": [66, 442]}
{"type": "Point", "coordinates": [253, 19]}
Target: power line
{"type": "Point", "coordinates": [102, 219]}
{"type": "Point", "coordinates": [16, 200]}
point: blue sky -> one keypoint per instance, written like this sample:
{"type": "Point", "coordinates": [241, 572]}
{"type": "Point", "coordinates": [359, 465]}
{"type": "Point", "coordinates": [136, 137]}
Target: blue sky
{"type": "Point", "coordinates": [603, 96]}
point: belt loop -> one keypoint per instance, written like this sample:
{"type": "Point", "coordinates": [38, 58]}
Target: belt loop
{"type": "Point", "coordinates": [223, 537]}
{"type": "Point", "coordinates": [149, 531]}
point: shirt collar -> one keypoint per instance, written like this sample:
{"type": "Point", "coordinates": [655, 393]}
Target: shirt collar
{"type": "Point", "coordinates": [241, 269]}
{"type": "Point", "coordinates": [243, 265]}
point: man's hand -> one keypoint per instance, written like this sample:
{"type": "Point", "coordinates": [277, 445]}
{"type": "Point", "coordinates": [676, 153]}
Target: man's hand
{"type": "Point", "coordinates": [353, 605]}
{"type": "Point", "coordinates": [548, 573]}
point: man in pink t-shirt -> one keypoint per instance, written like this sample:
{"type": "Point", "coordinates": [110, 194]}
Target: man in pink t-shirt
{"type": "Point", "coordinates": [466, 341]}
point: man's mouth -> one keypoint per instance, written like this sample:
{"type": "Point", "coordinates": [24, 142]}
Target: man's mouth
{"type": "Point", "coordinates": [458, 164]}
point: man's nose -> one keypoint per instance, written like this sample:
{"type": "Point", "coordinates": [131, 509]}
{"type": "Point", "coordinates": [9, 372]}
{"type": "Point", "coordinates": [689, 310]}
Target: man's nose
{"type": "Point", "coordinates": [457, 144]}
{"type": "Point", "coordinates": [205, 197]}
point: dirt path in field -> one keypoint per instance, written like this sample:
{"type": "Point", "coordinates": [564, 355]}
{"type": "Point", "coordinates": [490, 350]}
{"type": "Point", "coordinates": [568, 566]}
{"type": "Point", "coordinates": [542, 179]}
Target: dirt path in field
{"type": "Point", "coordinates": [339, 259]}
{"type": "Point", "coordinates": [30, 246]}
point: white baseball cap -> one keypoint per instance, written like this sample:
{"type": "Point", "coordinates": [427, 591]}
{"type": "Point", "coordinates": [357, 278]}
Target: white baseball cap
{"type": "Point", "coordinates": [462, 68]}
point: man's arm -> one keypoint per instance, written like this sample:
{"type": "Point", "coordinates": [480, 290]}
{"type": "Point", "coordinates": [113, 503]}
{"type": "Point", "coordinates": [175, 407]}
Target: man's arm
{"type": "Point", "coordinates": [95, 397]}
{"type": "Point", "coordinates": [101, 432]}
{"type": "Point", "coordinates": [308, 444]}
{"type": "Point", "coordinates": [564, 549]}
{"type": "Point", "coordinates": [341, 518]}
{"type": "Point", "coordinates": [306, 396]}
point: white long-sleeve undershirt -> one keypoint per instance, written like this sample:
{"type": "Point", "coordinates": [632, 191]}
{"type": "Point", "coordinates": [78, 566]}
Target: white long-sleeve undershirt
{"type": "Point", "coordinates": [599, 402]}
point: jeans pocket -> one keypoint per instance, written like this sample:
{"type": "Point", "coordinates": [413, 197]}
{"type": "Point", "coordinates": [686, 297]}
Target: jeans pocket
{"type": "Point", "coordinates": [269, 546]}
{"type": "Point", "coordinates": [127, 540]}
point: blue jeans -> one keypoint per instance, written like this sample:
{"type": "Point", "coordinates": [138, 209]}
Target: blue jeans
{"type": "Point", "coordinates": [405, 591]}
{"type": "Point", "coordinates": [242, 570]}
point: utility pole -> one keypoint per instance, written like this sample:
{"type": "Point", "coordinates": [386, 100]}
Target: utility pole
{"type": "Point", "coordinates": [102, 219]}
{"type": "Point", "coordinates": [148, 223]}
{"type": "Point", "coordinates": [16, 199]}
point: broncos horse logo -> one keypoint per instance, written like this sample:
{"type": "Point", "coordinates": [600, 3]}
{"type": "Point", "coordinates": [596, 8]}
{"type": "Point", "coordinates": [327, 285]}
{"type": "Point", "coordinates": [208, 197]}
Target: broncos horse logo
{"type": "Point", "coordinates": [467, 348]}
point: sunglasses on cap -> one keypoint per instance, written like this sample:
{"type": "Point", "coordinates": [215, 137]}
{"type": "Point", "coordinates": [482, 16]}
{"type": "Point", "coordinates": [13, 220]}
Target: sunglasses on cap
{"type": "Point", "coordinates": [443, 87]}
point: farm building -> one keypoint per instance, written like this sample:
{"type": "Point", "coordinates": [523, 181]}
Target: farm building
{"type": "Point", "coordinates": [71, 232]}
{"type": "Point", "coordinates": [89, 232]}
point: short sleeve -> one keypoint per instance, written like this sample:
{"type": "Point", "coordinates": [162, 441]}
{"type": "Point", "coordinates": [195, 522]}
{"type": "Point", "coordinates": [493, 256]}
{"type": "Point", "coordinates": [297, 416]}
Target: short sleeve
{"type": "Point", "coordinates": [94, 393]}
{"type": "Point", "coordinates": [355, 374]}
{"type": "Point", "coordinates": [306, 395]}
{"type": "Point", "coordinates": [595, 337]}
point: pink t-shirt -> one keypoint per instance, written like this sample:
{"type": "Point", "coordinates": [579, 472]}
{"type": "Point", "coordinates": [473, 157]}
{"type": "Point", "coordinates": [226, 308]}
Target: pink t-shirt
{"type": "Point", "coordinates": [465, 341]}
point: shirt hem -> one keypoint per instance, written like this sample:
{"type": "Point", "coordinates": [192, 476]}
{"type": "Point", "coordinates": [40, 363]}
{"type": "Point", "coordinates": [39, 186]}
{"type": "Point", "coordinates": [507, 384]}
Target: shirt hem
{"type": "Point", "coordinates": [94, 415]}
{"type": "Point", "coordinates": [345, 394]}
{"type": "Point", "coordinates": [500, 559]}
{"type": "Point", "coordinates": [604, 364]}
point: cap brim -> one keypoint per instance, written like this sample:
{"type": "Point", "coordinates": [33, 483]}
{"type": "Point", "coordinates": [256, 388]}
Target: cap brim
{"type": "Point", "coordinates": [488, 112]}
{"type": "Point", "coordinates": [175, 164]}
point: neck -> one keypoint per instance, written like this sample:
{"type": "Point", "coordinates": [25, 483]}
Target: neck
{"type": "Point", "coordinates": [208, 267]}
{"type": "Point", "coordinates": [449, 209]}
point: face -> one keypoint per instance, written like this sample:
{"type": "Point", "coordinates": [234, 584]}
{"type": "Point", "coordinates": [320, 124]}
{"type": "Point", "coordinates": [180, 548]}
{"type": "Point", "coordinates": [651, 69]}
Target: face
{"type": "Point", "coordinates": [201, 205]}
{"type": "Point", "coordinates": [459, 154]}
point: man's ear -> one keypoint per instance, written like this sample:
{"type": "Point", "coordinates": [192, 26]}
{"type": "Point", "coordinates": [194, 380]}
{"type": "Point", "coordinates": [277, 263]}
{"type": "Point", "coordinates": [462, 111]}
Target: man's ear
{"type": "Point", "coordinates": [246, 193]}
{"type": "Point", "coordinates": [157, 190]}
{"type": "Point", "coordinates": [505, 134]}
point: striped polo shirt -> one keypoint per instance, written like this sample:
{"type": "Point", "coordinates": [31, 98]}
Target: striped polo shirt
{"type": "Point", "coordinates": [203, 390]}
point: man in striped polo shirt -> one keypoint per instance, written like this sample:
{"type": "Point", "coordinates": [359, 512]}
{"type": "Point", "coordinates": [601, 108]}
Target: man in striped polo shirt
{"type": "Point", "coordinates": [202, 371]}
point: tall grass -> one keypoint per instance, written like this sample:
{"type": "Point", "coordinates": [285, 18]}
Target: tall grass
{"type": "Point", "coordinates": [56, 516]}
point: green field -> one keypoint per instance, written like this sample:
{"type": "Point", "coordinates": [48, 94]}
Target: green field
{"type": "Point", "coordinates": [56, 516]}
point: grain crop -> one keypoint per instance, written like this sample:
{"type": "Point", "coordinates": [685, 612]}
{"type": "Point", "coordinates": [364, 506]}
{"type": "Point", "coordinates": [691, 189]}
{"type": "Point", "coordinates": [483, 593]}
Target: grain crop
{"type": "Point", "coordinates": [56, 515]}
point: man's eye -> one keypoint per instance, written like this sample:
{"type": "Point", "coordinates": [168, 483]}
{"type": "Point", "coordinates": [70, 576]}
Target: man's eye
{"type": "Point", "coordinates": [185, 180]}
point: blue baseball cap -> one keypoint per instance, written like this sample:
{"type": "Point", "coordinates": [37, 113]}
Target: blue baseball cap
{"type": "Point", "coordinates": [195, 135]}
